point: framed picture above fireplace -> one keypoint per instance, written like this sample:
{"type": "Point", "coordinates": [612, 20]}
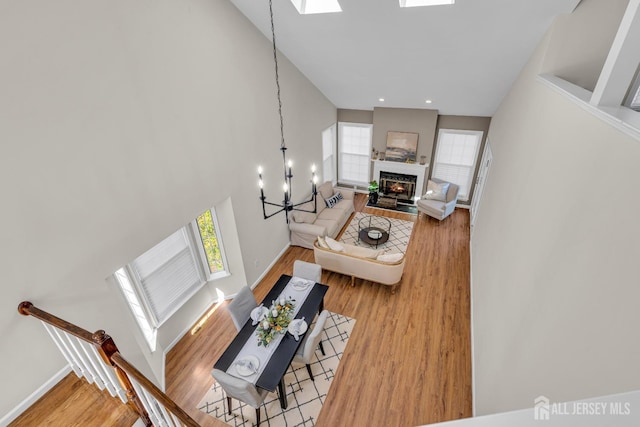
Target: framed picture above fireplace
{"type": "Point", "coordinates": [402, 147]}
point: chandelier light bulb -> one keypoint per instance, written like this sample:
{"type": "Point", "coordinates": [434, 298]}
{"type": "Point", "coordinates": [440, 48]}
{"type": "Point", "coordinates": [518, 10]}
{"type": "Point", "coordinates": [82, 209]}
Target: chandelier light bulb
{"type": "Point", "coordinates": [260, 184]}
{"type": "Point", "coordinates": [260, 170]}
{"type": "Point", "coordinates": [289, 163]}
{"type": "Point", "coordinates": [313, 168]}
{"type": "Point", "coordinates": [315, 179]}
{"type": "Point", "coordinates": [285, 187]}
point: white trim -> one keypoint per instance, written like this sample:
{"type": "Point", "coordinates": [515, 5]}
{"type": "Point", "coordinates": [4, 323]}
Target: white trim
{"type": "Point", "coordinates": [621, 118]}
{"type": "Point", "coordinates": [33, 397]}
{"type": "Point", "coordinates": [275, 260]}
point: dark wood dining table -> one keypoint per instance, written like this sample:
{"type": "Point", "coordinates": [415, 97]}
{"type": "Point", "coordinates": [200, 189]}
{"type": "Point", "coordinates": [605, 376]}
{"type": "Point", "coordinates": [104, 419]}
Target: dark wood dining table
{"type": "Point", "coordinates": [272, 377]}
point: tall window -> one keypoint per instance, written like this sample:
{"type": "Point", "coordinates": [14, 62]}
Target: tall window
{"type": "Point", "coordinates": [354, 148]}
{"type": "Point", "coordinates": [455, 159]}
{"type": "Point", "coordinates": [158, 282]}
{"type": "Point", "coordinates": [328, 154]}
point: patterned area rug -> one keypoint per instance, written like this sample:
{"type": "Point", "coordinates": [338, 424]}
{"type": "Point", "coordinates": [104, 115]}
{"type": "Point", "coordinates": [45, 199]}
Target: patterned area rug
{"type": "Point", "coordinates": [398, 238]}
{"type": "Point", "coordinates": [305, 397]}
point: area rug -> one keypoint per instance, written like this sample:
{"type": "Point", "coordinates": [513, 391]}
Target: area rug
{"type": "Point", "coordinates": [305, 397]}
{"type": "Point", "coordinates": [398, 238]}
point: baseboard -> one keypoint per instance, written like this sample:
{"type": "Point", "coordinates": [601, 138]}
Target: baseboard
{"type": "Point", "coordinates": [33, 397]}
{"type": "Point", "coordinates": [266, 270]}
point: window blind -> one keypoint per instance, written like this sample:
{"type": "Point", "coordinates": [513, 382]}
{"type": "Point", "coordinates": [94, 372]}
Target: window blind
{"type": "Point", "coordinates": [168, 275]}
{"type": "Point", "coordinates": [354, 148]}
{"type": "Point", "coordinates": [455, 158]}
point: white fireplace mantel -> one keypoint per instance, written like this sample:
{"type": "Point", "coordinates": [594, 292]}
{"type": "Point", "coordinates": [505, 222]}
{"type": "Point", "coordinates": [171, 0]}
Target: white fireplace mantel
{"type": "Point", "coordinates": [420, 171]}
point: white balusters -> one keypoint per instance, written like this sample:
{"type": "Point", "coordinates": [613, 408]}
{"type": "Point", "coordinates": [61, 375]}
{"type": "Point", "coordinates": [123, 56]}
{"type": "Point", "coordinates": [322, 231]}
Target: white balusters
{"type": "Point", "coordinates": [86, 362]}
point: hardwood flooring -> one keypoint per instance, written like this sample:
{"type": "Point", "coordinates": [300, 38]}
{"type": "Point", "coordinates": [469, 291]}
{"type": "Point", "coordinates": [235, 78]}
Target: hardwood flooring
{"type": "Point", "coordinates": [75, 402]}
{"type": "Point", "coordinates": [408, 361]}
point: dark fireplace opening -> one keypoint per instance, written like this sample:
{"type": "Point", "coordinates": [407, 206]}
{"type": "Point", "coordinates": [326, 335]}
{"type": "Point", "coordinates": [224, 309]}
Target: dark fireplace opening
{"type": "Point", "coordinates": [399, 186]}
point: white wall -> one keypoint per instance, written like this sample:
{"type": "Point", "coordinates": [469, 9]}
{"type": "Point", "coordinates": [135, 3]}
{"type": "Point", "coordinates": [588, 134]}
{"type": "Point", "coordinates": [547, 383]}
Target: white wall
{"type": "Point", "coordinates": [119, 123]}
{"type": "Point", "coordinates": [555, 250]}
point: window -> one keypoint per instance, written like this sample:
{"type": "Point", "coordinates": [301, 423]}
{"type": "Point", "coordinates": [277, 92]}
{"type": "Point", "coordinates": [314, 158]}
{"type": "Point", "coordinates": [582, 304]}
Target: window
{"type": "Point", "coordinates": [633, 98]}
{"type": "Point", "coordinates": [354, 147]}
{"type": "Point", "coordinates": [210, 246]}
{"type": "Point", "coordinates": [306, 7]}
{"type": "Point", "coordinates": [455, 159]}
{"type": "Point", "coordinates": [328, 153]}
{"type": "Point", "coordinates": [158, 282]}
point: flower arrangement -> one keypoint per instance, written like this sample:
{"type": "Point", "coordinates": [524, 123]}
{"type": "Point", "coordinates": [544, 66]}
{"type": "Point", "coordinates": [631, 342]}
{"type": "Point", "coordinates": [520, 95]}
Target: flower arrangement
{"type": "Point", "coordinates": [276, 321]}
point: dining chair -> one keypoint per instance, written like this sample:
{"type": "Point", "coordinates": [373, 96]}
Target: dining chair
{"type": "Point", "coordinates": [311, 341]}
{"type": "Point", "coordinates": [240, 307]}
{"type": "Point", "coordinates": [307, 270]}
{"type": "Point", "coordinates": [241, 390]}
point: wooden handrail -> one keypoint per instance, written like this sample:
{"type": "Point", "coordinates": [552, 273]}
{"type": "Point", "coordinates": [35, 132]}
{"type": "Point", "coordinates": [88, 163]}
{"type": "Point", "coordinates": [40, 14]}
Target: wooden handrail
{"type": "Point", "coordinates": [130, 370]}
{"type": "Point", "coordinates": [108, 351]}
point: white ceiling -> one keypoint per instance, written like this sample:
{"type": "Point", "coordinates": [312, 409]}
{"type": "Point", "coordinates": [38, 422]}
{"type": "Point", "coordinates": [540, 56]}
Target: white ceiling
{"type": "Point", "coordinates": [464, 57]}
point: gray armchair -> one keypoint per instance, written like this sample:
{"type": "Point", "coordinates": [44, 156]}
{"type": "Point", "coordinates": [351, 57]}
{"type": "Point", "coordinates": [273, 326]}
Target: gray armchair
{"type": "Point", "coordinates": [435, 206]}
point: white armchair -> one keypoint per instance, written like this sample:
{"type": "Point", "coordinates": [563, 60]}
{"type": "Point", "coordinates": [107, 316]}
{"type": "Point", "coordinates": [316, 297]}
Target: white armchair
{"type": "Point", "coordinates": [440, 199]}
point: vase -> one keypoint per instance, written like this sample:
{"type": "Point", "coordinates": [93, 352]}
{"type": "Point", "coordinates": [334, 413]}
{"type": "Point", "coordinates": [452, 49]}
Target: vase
{"type": "Point", "coordinates": [373, 197]}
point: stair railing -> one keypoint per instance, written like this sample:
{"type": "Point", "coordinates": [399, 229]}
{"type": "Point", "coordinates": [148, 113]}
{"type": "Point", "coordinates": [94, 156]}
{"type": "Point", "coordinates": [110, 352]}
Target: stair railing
{"type": "Point", "coordinates": [95, 357]}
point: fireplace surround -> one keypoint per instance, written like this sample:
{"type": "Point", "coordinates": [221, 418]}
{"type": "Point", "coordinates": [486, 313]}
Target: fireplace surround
{"type": "Point", "coordinates": [399, 169]}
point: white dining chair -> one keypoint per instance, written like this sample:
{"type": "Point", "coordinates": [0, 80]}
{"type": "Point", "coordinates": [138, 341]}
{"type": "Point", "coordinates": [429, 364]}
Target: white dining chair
{"type": "Point", "coordinates": [241, 390]}
{"type": "Point", "coordinates": [311, 341]}
{"type": "Point", "coordinates": [240, 307]}
{"type": "Point", "coordinates": [307, 270]}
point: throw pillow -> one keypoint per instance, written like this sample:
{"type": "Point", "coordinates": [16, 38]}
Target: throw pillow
{"type": "Point", "coordinates": [437, 191]}
{"type": "Point", "coordinates": [363, 252]}
{"type": "Point", "coordinates": [325, 190]}
{"type": "Point", "coordinates": [393, 257]}
{"type": "Point", "coordinates": [322, 243]}
{"type": "Point", "coordinates": [333, 200]}
{"type": "Point", "coordinates": [334, 245]}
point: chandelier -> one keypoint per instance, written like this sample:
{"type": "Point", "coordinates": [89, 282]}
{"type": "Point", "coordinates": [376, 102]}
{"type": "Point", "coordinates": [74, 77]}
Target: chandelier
{"type": "Point", "coordinates": [287, 204]}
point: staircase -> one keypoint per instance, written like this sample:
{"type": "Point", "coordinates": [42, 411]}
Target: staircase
{"type": "Point", "coordinates": [94, 357]}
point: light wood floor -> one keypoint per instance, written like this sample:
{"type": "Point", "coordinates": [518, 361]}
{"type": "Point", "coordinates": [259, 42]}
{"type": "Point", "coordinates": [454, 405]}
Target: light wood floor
{"type": "Point", "coordinates": [408, 361]}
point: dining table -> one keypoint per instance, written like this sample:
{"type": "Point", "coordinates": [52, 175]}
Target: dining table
{"type": "Point", "coordinates": [282, 351]}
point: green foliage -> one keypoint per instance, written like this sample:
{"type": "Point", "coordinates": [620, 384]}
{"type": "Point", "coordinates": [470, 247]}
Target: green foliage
{"type": "Point", "coordinates": [373, 185]}
{"type": "Point", "coordinates": [277, 324]}
{"type": "Point", "coordinates": [210, 242]}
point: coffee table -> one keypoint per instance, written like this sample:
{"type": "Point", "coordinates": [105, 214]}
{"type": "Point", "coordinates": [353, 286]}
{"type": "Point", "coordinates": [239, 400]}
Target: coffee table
{"type": "Point", "coordinates": [374, 230]}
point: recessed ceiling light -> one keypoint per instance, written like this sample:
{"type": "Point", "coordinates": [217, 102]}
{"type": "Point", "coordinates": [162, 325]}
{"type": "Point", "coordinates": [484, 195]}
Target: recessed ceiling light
{"type": "Point", "coordinates": [428, 101]}
{"type": "Point", "coordinates": [381, 99]}
{"type": "Point", "coordinates": [414, 3]}
{"type": "Point", "coordinates": [307, 7]}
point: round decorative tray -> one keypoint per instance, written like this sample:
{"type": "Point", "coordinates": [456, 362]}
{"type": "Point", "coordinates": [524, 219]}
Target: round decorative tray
{"type": "Point", "coordinates": [374, 234]}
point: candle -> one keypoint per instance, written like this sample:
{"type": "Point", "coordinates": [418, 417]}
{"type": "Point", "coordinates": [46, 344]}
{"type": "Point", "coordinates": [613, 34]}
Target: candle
{"type": "Point", "coordinates": [282, 301]}
{"type": "Point", "coordinates": [265, 324]}
{"type": "Point", "coordinates": [274, 312]}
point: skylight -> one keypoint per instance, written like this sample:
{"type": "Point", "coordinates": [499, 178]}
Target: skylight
{"type": "Point", "coordinates": [306, 7]}
{"type": "Point", "coordinates": [414, 3]}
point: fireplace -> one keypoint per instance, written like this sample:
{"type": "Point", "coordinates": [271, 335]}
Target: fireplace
{"type": "Point", "coordinates": [398, 185]}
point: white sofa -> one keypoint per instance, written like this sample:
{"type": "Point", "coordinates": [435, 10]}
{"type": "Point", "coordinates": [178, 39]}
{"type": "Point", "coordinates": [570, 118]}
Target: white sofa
{"type": "Point", "coordinates": [360, 262]}
{"type": "Point", "coordinates": [305, 227]}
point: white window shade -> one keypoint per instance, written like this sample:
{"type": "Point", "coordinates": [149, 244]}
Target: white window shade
{"type": "Point", "coordinates": [168, 275]}
{"type": "Point", "coordinates": [354, 147]}
{"type": "Point", "coordinates": [328, 153]}
{"type": "Point", "coordinates": [455, 159]}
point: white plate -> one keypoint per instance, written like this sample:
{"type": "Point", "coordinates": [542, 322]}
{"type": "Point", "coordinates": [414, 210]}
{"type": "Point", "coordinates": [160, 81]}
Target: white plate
{"type": "Point", "coordinates": [258, 313]}
{"type": "Point", "coordinates": [243, 369]}
{"type": "Point", "coordinates": [300, 284]}
{"type": "Point", "coordinates": [303, 326]}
